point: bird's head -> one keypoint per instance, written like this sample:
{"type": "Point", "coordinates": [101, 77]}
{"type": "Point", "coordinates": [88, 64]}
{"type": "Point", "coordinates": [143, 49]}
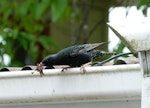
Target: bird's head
{"type": "Point", "coordinates": [44, 62]}
{"type": "Point", "coordinates": [49, 60]}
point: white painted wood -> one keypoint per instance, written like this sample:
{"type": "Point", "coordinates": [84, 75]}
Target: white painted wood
{"type": "Point", "coordinates": [148, 62]}
{"type": "Point", "coordinates": [145, 61]}
{"type": "Point", "coordinates": [89, 104]}
{"type": "Point", "coordinates": [104, 83]}
{"type": "Point", "coordinates": [135, 35]}
{"type": "Point", "coordinates": [146, 93]}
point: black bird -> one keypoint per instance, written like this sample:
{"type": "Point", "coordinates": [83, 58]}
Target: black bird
{"type": "Point", "coordinates": [74, 56]}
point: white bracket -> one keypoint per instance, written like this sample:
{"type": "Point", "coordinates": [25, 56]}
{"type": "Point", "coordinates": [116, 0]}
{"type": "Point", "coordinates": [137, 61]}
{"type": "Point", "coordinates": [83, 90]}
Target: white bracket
{"type": "Point", "coordinates": [145, 61]}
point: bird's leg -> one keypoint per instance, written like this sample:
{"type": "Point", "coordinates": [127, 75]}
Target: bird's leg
{"type": "Point", "coordinates": [39, 68]}
{"type": "Point", "coordinates": [82, 68]}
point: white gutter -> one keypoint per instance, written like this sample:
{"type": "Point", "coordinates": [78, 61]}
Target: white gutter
{"type": "Point", "coordinates": [120, 82]}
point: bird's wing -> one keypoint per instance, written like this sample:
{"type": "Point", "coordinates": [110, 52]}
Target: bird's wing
{"type": "Point", "coordinates": [79, 49]}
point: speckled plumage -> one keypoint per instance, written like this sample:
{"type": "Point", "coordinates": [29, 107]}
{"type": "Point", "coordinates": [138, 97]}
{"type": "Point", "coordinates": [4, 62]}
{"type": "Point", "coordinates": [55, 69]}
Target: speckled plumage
{"type": "Point", "coordinates": [75, 56]}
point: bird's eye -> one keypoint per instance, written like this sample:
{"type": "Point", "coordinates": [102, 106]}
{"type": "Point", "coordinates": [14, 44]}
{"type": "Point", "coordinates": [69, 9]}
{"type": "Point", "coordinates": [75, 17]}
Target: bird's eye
{"type": "Point", "coordinates": [46, 60]}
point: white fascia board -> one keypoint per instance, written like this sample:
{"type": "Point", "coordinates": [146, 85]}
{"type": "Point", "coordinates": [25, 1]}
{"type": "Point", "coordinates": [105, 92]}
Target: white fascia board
{"type": "Point", "coordinates": [102, 83]}
{"type": "Point", "coordinates": [135, 35]}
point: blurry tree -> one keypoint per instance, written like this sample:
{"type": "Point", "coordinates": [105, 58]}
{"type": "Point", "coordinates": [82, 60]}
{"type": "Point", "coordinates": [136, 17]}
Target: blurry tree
{"type": "Point", "coordinates": [25, 29]}
{"type": "Point", "coordinates": [25, 26]}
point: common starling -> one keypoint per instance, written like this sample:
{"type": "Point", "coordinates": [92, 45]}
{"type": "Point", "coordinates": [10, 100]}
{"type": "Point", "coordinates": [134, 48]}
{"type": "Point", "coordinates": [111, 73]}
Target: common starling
{"type": "Point", "coordinates": [112, 58]}
{"type": "Point", "coordinates": [74, 56]}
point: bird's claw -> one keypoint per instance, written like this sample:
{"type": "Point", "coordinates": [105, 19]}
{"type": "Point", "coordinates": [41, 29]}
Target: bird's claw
{"type": "Point", "coordinates": [39, 68]}
{"type": "Point", "coordinates": [65, 68]}
{"type": "Point", "coordinates": [82, 69]}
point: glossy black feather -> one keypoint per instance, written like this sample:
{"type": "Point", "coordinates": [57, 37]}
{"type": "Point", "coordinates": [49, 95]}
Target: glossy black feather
{"type": "Point", "coordinates": [74, 56]}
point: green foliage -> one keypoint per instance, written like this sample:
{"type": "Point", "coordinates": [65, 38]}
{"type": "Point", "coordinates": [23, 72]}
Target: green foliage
{"type": "Point", "coordinates": [47, 41]}
{"type": "Point", "coordinates": [120, 48]}
{"type": "Point", "coordinates": [141, 3]}
{"type": "Point", "coordinates": [144, 4]}
{"type": "Point", "coordinates": [25, 28]}
{"type": "Point", "coordinates": [58, 7]}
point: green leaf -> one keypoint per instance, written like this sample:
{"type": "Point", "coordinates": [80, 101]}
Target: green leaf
{"type": "Point", "coordinates": [38, 9]}
{"type": "Point", "coordinates": [22, 9]}
{"type": "Point", "coordinates": [58, 7]}
{"type": "Point", "coordinates": [15, 32]}
{"type": "Point", "coordinates": [10, 33]}
{"type": "Point", "coordinates": [141, 3]}
{"type": "Point", "coordinates": [24, 43]}
{"type": "Point", "coordinates": [120, 48]}
{"type": "Point", "coordinates": [28, 36]}
{"type": "Point", "coordinates": [26, 40]}
{"type": "Point", "coordinates": [42, 8]}
{"type": "Point", "coordinates": [33, 8]}
{"type": "Point", "coordinates": [66, 15]}
{"type": "Point", "coordinates": [46, 42]}
{"type": "Point", "coordinates": [7, 12]}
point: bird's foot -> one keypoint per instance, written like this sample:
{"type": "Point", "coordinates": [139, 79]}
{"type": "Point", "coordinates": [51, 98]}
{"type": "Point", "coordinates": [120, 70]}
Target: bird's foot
{"type": "Point", "coordinates": [39, 68]}
{"type": "Point", "coordinates": [65, 68]}
{"type": "Point", "coordinates": [82, 68]}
